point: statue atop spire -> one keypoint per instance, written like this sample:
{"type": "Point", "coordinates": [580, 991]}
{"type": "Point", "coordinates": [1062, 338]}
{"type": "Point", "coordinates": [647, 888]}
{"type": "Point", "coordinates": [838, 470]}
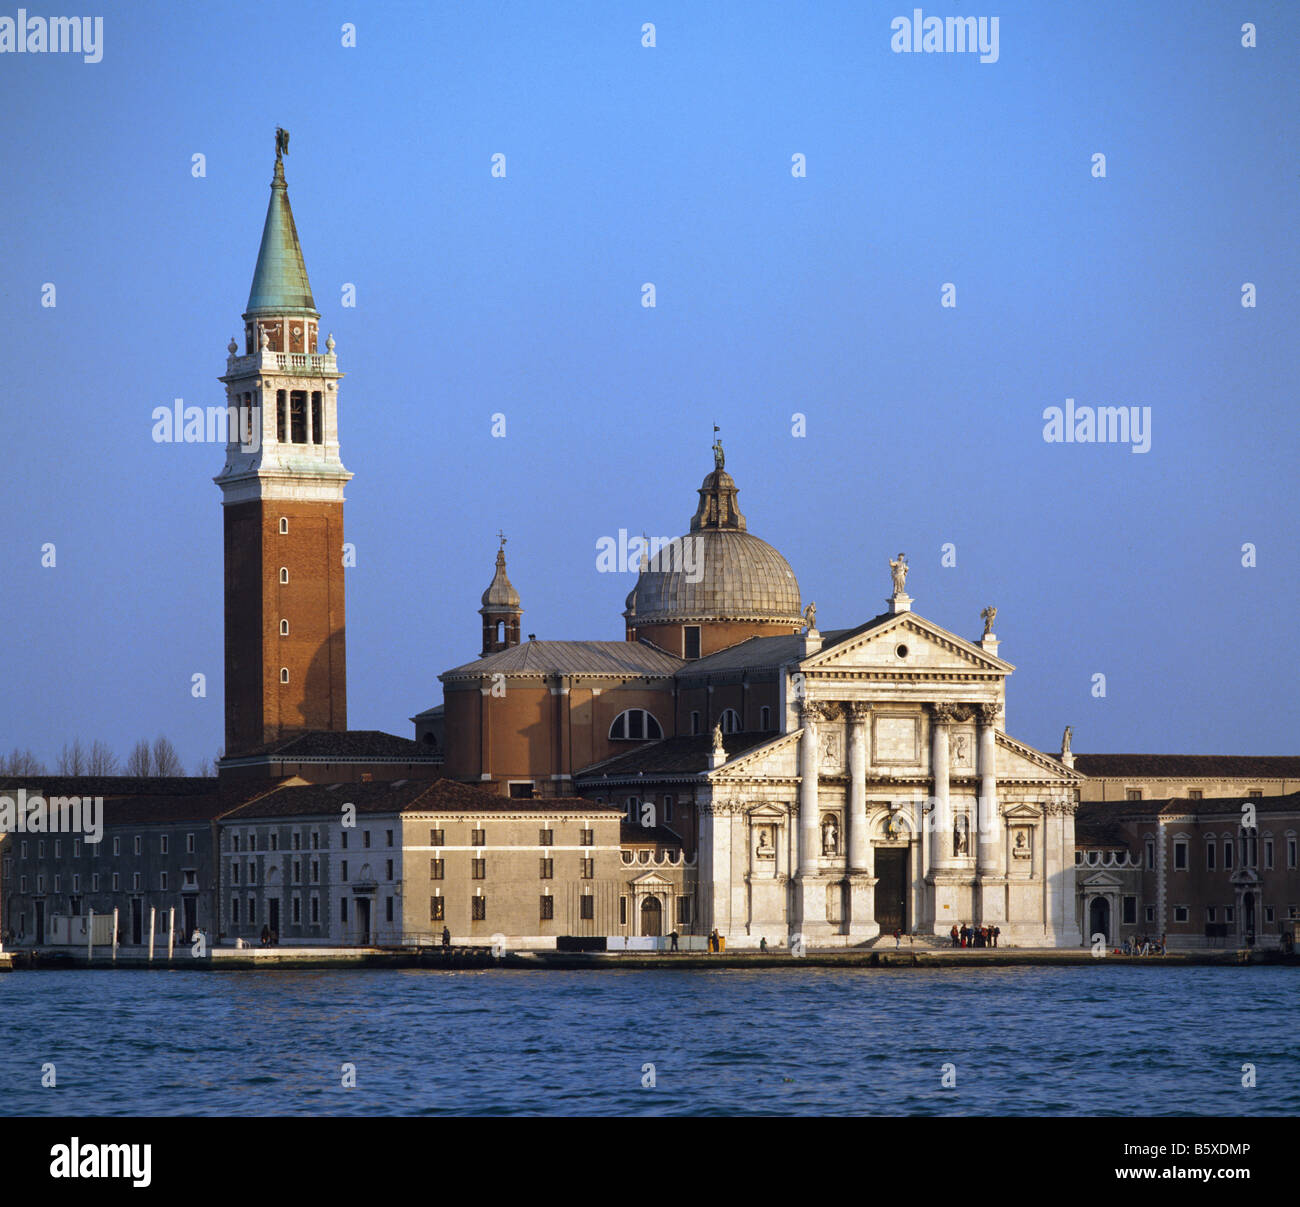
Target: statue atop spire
{"type": "Point", "coordinates": [719, 458]}
{"type": "Point", "coordinates": [281, 142]}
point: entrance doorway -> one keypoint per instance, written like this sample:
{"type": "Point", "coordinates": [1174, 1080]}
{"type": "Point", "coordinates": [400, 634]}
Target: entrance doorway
{"type": "Point", "coordinates": [137, 921]}
{"type": "Point", "coordinates": [891, 889]}
{"type": "Point", "coordinates": [273, 917]}
{"type": "Point", "coordinates": [652, 917]}
{"type": "Point", "coordinates": [40, 922]}
{"type": "Point", "coordinates": [190, 908]}
{"type": "Point", "coordinates": [363, 921]}
{"type": "Point", "coordinates": [1099, 919]}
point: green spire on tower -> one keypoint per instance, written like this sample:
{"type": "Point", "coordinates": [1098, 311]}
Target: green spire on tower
{"type": "Point", "coordinates": [280, 284]}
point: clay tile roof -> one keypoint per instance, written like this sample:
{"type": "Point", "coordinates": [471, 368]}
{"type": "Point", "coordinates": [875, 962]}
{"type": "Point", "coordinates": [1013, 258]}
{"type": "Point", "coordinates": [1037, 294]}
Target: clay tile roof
{"type": "Point", "coordinates": [1189, 766]}
{"type": "Point", "coordinates": [672, 756]}
{"type": "Point", "coordinates": [358, 744]}
{"type": "Point", "coordinates": [620, 658]}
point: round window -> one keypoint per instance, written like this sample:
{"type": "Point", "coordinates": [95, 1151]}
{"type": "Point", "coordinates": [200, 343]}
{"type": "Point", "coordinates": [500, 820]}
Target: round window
{"type": "Point", "coordinates": [901, 651]}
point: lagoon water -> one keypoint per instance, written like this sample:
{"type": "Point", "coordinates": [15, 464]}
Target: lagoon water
{"type": "Point", "coordinates": [1023, 1041]}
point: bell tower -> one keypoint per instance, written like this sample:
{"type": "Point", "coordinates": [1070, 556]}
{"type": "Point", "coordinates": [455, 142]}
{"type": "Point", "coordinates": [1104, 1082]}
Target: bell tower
{"type": "Point", "coordinates": [282, 498]}
{"type": "Point", "coordinates": [500, 610]}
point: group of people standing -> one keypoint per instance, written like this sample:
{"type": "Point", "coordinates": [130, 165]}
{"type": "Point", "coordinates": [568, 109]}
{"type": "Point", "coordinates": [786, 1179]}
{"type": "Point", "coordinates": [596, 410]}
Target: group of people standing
{"type": "Point", "coordinates": [1143, 945]}
{"type": "Point", "coordinates": [974, 936]}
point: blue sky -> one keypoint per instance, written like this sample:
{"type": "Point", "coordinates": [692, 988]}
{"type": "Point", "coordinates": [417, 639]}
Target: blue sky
{"type": "Point", "coordinates": [775, 295]}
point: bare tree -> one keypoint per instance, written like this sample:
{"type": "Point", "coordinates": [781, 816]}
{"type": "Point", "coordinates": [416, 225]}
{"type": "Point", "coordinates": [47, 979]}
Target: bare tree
{"type": "Point", "coordinates": [101, 760]}
{"type": "Point", "coordinates": [73, 759]}
{"type": "Point", "coordinates": [21, 762]}
{"type": "Point", "coordinates": [140, 761]}
{"type": "Point", "coordinates": [165, 759]}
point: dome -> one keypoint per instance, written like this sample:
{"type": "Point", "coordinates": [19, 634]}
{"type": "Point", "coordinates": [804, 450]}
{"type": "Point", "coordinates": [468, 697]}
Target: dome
{"type": "Point", "coordinates": [500, 593]}
{"type": "Point", "coordinates": [717, 571]}
{"type": "Point", "coordinates": [739, 577]}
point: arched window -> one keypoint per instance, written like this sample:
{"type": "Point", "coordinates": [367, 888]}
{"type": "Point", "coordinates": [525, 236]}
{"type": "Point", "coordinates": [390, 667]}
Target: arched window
{"type": "Point", "coordinates": [635, 725]}
{"type": "Point", "coordinates": [730, 721]}
{"type": "Point", "coordinates": [284, 674]}
{"type": "Point", "coordinates": [765, 718]}
{"type": "Point", "coordinates": [284, 628]}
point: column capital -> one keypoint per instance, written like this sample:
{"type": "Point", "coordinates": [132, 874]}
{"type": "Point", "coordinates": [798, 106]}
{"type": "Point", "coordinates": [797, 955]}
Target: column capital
{"type": "Point", "coordinates": [858, 710]}
{"type": "Point", "coordinates": [943, 714]}
{"type": "Point", "coordinates": [989, 713]}
{"type": "Point", "coordinates": [812, 711]}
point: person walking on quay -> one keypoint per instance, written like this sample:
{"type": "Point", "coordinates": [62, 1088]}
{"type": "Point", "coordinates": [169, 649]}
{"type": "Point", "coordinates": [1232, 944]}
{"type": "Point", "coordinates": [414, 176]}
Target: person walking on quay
{"type": "Point", "coordinates": [446, 937]}
{"type": "Point", "coordinates": [954, 932]}
{"type": "Point", "coordinates": [713, 940]}
{"type": "Point", "coordinates": [762, 943]}
{"type": "Point", "coordinates": [963, 934]}
{"type": "Point", "coordinates": [997, 930]}
{"type": "Point", "coordinates": [898, 937]}
{"type": "Point", "coordinates": [673, 937]}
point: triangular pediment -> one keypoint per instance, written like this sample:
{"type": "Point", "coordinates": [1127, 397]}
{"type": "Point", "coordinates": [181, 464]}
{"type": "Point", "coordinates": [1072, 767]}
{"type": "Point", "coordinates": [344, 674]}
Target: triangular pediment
{"type": "Point", "coordinates": [1022, 812]}
{"type": "Point", "coordinates": [1017, 761]}
{"type": "Point", "coordinates": [1102, 880]}
{"type": "Point", "coordinates": [929, 648]}
{"type": "Point", "coordinates": [652, 880]}
{"type": "Point", "coordinates": [777, 759]}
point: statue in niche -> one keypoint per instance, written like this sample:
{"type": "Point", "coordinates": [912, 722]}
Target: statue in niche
{"type": "Point", "coordinates": [899, 570]}
{"type": "Point", "coordinates": [894, 825]}
{"type": "Point", "coordinates": [830, 748]}
{"type": "Point", "coordinates": [1021, 849]}
{"type": "Point", "coordinates": [961, 836]}
{"type": "Point", "coordinates": [765, 849]}
{"type": "Point", "coordinates": [830, 836]}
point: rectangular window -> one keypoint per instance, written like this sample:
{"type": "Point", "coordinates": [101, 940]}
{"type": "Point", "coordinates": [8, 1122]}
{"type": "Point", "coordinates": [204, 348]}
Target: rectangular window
{"type": "Point", "coordinates": [1180, 913]}
{"type": "Point", "coordinates": [684, 911]}
{"type": "Point", "coordinates": [1150, 913]}
{"type": "Point", "coordinates": [478, 838]}
{"type": "Point", "coordinates": [435, 838]}
{"type": "Point", "coordinates": [1209, 855]}
{"type": "Point", "coordinates": [388, 909]}
{"type": "Point", "coordinates": [280, 417]}
{"type": "Point", "coordinates": [234, 871]}
{"type": "Point", "coordinates": [522, 790]}
{"type": "Point", "coordinates": [344, 870]}
{"type": "Point", "coordinates": [695, 722]}
{"type": "Point", "coordinates": [1195, 794]}
{"type": "Point", "coordinates": [234, 911]}
{"type": "Point", "coordinates": [252, 910]}
{"type": "Point", "coordinates": [1228, 853]}
{"type": "Point", "coordinates": [58, 848]}
{"type": "Point", "coordinates": [189, 844]}
{"type": "Point", "coordinates": [588, 838]}
{"type": "Point", "coordinates": [1268, 854]}
{"type": "Point", "coordinates": [76, 848]}
{"type": "Point", "coordinates": [117, 882]}
{"type": "Point", "coordinates": [343, 840]}
{"type": "Point", "coordinates": [668, 809]}
{"type": "Point", "coordinates": [1209, 913]}
{"type": "Point", "coordinates": [297, 871]}
{"type": "Point", "coordinates": [478, 909]}
{"type": "Point", "coordinates": [587, 906]}
{"type": "Point", "coordinates": [1132, 793]}
{"type": "Point", "coordinates": [315, 840]}
{"type": "Point", "coordinates": [546, 838]}
{"type": "Point", "coordinates": [138, 841]}
{"type": "Point", "coordinates": [548, 869]}
{"type": "Point", "coordinates": [548, 908]}
{"type": "Point", "coordinates": [1180, 856]}
{"type": "Point", "coordinates": [437, 869]}
{"type": "Point", "coordinates": [1255, 792]}
{"type": "Point", "coordinates": [690, 641]}
{"type": "Point", "coordinates": [136, 882]}
{"type": "Point", "coordinates": [297, 840]}
{"type": "Point", "coordinates": [297, 909]}
{"type": "Point", "coordinates": [388, 838]}
{"type": "Point", "coordinates": [162, 844]}
{"type": "Point", "coordinates": [388, 869]}
{"type": "Point", "coordinates": [480, 869]}
{"type": "Point", "coordinates": [343, 909]}
{"type": "Point", "coordinates": [365, 838]}
{"type": "Point", "coordinates": [94, 883]}
{"type": "Point", "coordinates": [588, 869]}
{"type": "Point", "coordinates": [315, 910]}
{"type": "Point", "coordinates": [275, 840]}
{"type": "Point", "coordinates": [1290, 854]}
{"type": "Point", "coordinates": [622, 911]}
{"type": "Point", "coordinates": [1229, 913]}
{"type": "Point", "coordinates": [317, 436]}
{"type": "Point", "coordinates": [252, 843]}
{"type": "Point", "coordinates": [1130, 908]}
{"type": "Point", "coordinates": [162, 881]}
{"type": "Point", "coordinates": [436, 909]}
{"type": "Point", "coordinates": [252, 872]}
{"type": "Point", "coordinates": [1269, 915]}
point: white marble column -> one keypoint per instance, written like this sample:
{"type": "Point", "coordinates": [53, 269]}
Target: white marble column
{"type": "Point", "coordinates": [859, 844]}
{"type": "Point", "coordinates": [991, 851]}
{"type": "Point", "coordinates": [939, 823]}
{"type": "Point", "coordinates": [809, 821]}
